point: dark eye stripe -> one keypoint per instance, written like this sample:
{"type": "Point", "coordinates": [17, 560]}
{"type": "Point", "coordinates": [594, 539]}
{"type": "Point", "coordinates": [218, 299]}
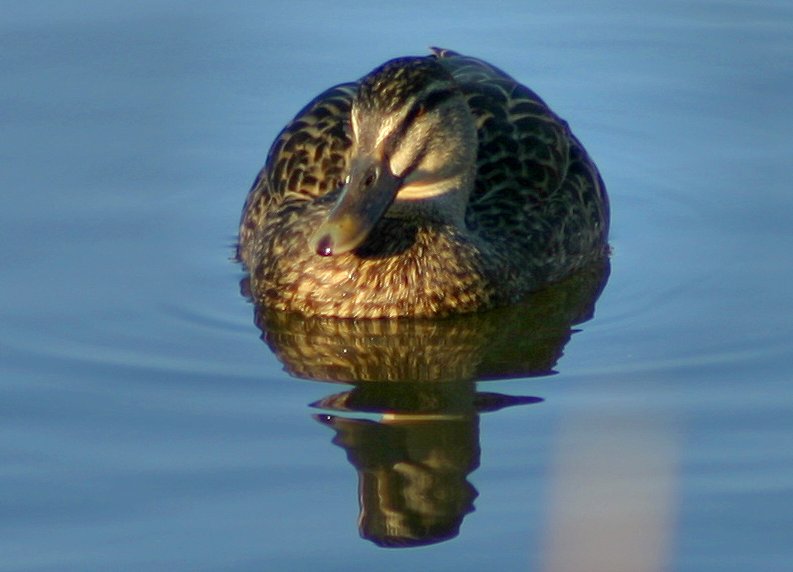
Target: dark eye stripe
{"type": "Point", "coordinates": [426, 104]}
{"type": "Point", "coordinates": [429, 102]}
{"type": "Point", "coordinates": [435, 98]}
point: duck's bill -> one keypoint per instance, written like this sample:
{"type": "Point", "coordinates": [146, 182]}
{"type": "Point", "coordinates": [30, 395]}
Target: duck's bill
{"type": "Point", "coordinates": [369, 192]}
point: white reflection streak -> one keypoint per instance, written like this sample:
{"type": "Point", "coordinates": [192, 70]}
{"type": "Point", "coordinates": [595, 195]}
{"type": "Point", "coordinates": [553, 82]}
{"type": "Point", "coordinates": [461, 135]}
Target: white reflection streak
{"type": "Point", "coordinates": [613, 497]}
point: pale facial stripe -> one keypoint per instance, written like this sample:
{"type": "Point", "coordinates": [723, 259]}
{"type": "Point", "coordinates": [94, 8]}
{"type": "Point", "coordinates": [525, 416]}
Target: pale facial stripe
{"type": "Point", "coordinates": [396, 125]}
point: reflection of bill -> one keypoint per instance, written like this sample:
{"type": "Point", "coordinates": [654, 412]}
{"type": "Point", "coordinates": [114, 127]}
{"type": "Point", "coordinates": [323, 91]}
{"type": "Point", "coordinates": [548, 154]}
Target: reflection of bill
{"type": "Point", "coordinates": [414, 462]}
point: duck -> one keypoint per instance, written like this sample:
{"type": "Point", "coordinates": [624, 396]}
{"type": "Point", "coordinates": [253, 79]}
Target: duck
{"type": "Point", "coordinates": [435, 185]}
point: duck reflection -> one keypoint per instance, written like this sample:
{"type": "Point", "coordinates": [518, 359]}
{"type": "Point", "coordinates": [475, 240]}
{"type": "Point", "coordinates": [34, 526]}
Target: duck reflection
{"type": "Point", "coordinates": [410, 423]}
{"type": "Point", "coordinates": [413, 462]}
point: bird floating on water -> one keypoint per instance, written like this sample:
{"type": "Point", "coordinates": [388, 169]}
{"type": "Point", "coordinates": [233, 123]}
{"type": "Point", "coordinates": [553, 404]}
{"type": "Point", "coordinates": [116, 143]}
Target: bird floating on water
{"type": "Point", "coordinates": [433, 186]}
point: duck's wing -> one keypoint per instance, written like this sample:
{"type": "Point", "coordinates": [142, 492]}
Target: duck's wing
{"type": "Point", "coordinates": [524, 147]}
{"type": "Point", "coordinates": [307, 160]}
{"type": "Point", "coordinates": [535, 182]}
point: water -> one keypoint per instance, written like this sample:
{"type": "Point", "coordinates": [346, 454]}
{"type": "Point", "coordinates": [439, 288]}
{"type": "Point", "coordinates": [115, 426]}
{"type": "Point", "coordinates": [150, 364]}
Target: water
{"type": "Point", "coordinates": [144, 425]}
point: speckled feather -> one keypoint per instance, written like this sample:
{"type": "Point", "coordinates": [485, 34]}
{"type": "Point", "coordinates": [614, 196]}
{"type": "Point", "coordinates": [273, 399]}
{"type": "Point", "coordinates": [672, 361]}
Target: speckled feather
{"type": "Point", "coordinates": [538, 211]}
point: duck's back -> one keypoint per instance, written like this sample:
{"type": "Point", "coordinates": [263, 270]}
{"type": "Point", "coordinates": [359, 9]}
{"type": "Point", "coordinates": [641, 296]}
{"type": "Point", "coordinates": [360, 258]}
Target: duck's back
{"type": "Point", "coordinates": [537, 192]}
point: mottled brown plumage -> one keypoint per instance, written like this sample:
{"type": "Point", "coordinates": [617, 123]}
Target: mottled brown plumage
{"type": "Point", "coordinates": [435, 185]}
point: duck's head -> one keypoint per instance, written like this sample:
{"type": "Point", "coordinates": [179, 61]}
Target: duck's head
{"type": "Point", "coordinates": [413, 154]}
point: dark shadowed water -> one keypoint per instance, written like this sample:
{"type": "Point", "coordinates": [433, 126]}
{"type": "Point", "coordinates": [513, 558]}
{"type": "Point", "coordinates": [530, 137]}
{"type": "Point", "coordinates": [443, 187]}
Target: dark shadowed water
{"type": "Point", "coordinates": [146, 423]}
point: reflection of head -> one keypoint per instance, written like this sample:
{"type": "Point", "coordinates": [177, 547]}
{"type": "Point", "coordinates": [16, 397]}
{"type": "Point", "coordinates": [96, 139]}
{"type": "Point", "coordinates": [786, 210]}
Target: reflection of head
{"type": "Point", "coordinates": [425, 507]}
{"type": "Point", "coordinates": [414, 462]}
{"type": "Point", "coordinates": [412, 476]}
